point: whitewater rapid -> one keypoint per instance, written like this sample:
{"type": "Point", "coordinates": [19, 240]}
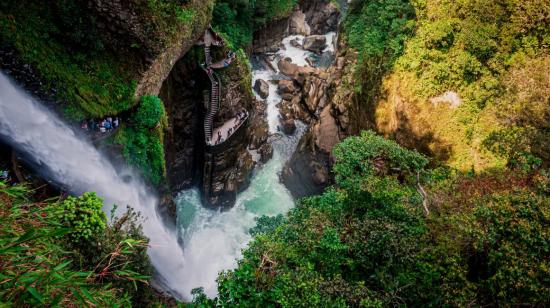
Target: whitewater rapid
{"type": "Point", "coordinates": [212, 240]}
{"type": "Point", "coordinates": [76, 165]}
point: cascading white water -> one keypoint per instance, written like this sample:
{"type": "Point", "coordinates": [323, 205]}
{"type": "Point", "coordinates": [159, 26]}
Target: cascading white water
{"type": "Point", "coordinates": [64, 158]}
{"type": "Point", "coordinates": [213, 240]}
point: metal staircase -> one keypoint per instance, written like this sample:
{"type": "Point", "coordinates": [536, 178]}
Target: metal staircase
{"type": "Point", "coordinates": [214, 104]}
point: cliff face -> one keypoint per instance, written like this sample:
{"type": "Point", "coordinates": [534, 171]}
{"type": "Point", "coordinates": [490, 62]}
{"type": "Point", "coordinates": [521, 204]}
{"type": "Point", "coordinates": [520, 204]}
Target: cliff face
{"type": "Point", "coordinates": [227, 168]}
{"type": "Point", "coordinates": [220, 173]}
{"type": "Point", "coordinates": [323, 100]}
{"type": "Point", "coordinates": [171, 70]}
{"type": "Point", "coordinates": [182, 94]}
{"type": "Point", "coordinates": [308, 18]}
{"type": "Point", "coordinates": [159, 43]}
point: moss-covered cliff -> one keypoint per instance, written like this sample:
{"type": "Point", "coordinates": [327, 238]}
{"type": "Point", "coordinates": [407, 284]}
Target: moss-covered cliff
{"type": "Point", "coordinates": [99, 58]}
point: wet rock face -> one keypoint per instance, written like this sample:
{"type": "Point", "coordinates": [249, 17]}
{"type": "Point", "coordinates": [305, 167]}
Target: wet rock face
{"type": "Point", "coordinates": [228, 167]}
{"type": "Point", "coordinates": [315, 43]}
{"type": "Point", "coordinates": [184, 138]}
{"type": "Point", "coordinates": [322, 16]}
{"type": "Point", "coordinates": [288, 126]}
{"type": "Point", "coordinates": [262, 88]}
{"type": "Point", "coordinates": [268, 38]}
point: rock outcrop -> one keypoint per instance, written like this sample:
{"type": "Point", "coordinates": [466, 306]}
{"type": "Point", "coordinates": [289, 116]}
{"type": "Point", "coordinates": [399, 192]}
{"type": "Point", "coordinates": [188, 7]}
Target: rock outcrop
{"type": "Point", "coordinates": [322, 16]}
{"type": "Point", "coordinates": [262, 88]}
{"type": "Point", "coordinates": [228, 166]}
{"type": "Point", "coordinates": [323, 101]}
{"type": "Point", "coordinates": [315, 43]}
{"type": "Point", "coordinates": [160, 46]}
{"type": "Point", "coordinates": [307, 18]}
{"type": "Point", "coordinates": [298, 24]}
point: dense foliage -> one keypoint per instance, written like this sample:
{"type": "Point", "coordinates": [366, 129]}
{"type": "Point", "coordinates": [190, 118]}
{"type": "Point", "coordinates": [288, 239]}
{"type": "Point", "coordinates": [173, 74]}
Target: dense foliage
{"type": "Point", "coordinates": [61, 41]}
{"type": "Point", "coordinates": [491, 55]}
{"type": "Point", "coordinates": [40, 265]}
{"type": "Point", "coordinates": [367, 241]}
{"type": "Point", "coordinates": [150, 112]}
{"type": "Point", "coordinates": [377, 30]}
{"type": "Point", "coordinates": [237, 20]}
{"type": "Point", "coordinates": [142, 139]}
{"type": "Point", "coordinates": [83, 216]}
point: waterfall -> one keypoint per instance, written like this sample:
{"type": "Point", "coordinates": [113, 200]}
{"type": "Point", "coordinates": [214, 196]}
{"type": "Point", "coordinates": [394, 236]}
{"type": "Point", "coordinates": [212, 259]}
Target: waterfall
{"type": "Point", "coordinates": [75, 164]}
{"type": "Point", "coordinates": [212, 240]}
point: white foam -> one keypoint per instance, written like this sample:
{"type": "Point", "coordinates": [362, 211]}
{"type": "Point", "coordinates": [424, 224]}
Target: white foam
{"type": "Point", "coordinates": [77, 165]}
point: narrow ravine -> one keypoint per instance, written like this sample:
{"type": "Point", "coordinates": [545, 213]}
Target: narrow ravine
{"type": "Point", "coordinates": [212, 240]}
{"type": "Point", "coordinates": [206, 241]}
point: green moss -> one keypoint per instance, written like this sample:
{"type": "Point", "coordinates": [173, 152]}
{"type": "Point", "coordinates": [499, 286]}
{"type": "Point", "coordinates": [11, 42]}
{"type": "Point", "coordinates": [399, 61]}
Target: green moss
{"type": "Point", "coordinates": [92, 81]}
{"type": "Point", "coordinates": [142, 139]}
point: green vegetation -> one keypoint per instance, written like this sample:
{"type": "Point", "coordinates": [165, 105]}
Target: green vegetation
{"type": "Point", "coordinates": [142, 139]}
{"type": "Point", "coordinates": [39, 265]}
{"type": "Point", "coordinates": [62, 42]}
{"type": "Point", "coordinates": [149, 113]}
{"type": "Point", "coordinates": [413, 51]}
{"type": "Point", "coordinates": [83, 216]}
{"type": "Point", "coordinates": [367, 242]}
{"type": "Point", "coordinates": [237, 20]}
{"type": "Point", "coordinates": [165, 20]}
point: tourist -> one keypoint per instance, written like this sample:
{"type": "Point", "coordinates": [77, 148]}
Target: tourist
{"type": "Point", "coordinates": [115, 122]}
{"type": "Point", "coordinates": [84, 125]}
{"type": "Point", "coordinates": [108, 125]}
{"type": "Point", "coordinates": [219, 137]}
{"type": "Point", "coordinates": [4, 175]}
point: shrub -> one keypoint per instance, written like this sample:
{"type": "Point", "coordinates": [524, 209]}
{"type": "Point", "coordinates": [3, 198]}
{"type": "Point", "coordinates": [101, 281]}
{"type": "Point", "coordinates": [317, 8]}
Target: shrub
{"type": "Point", "coordinates": [149, 112]}
{"type": "Point", "coordinates": [36, 267]}
{"type": "Point", "coordinates": [83, 216]}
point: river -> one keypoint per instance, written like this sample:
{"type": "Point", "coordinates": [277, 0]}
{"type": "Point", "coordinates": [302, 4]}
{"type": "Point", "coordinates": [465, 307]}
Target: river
{"type": "Point", "coordinates": [211, 241]}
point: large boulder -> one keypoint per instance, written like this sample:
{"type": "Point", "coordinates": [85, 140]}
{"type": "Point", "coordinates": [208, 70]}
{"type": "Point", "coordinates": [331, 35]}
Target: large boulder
{"type": "Point", "coordinates": [286, 67]}
{"type": "Point", "coordinates": [315, 43]}
{"type": "Point", "coordinates": [286, 87]}
{"type": "Point", "coordinates": [297, 23]}
{"type": "Point", "coordinates": [288, 126]}
{"type": "Point", "coordinates": [262, 88]}
{"type": "Point", "coordinates": [266, 152]}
